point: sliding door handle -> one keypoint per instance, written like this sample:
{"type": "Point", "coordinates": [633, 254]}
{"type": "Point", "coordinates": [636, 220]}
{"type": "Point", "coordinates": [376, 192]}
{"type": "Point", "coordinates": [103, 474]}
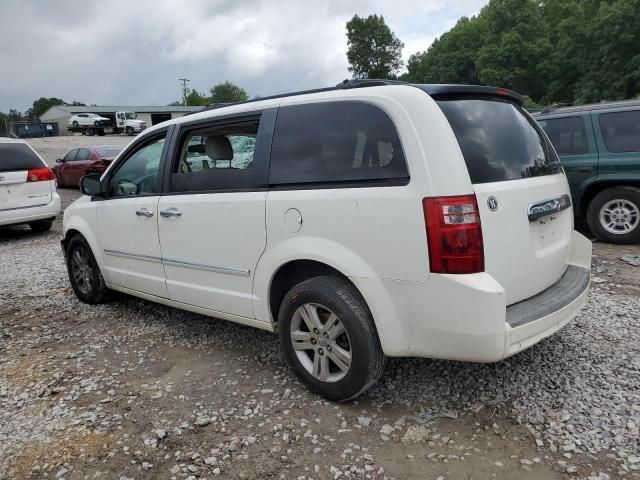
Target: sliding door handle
{"type": "Point", "coordinates": [171, 212]}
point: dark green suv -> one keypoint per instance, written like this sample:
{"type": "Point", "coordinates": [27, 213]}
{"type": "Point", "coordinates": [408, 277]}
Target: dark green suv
{"type": "Point", "coordinates": [599, 146]}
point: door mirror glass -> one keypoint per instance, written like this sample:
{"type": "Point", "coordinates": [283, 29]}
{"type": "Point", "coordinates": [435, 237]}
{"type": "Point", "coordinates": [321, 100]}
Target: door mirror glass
{"type": "Point", "coordinates": [59, 160]}
{"type": "Point", "coordinates": [90, 185]}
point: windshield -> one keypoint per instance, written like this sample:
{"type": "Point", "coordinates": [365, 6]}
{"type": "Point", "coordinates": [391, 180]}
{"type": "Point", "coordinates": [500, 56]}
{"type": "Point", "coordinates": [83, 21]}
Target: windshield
{"type": "Point", "coordinates": [131, 115]}
{"type": "Point", "coordinates": [18, 156]}
{"type": "Point", "coordinates": [108, 152]}
{"type": "Point", "coordinates": [499, 140]}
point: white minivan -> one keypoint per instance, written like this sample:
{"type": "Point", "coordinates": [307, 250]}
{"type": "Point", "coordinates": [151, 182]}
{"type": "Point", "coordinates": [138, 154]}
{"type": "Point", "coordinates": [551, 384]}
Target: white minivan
{"type": "Point", "coordinates": [369, 220]}
{"type": "Point", "coordinates": [27, 187]}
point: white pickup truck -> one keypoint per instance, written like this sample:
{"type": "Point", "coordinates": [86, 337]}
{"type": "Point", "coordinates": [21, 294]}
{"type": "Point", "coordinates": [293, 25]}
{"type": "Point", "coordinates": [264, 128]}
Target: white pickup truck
{"type": "Point", "coordinates": [105, 123]}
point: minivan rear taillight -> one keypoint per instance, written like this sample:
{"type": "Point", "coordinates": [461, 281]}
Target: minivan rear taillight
{"type": "Point", "coordinates": [454, 234]}
{"type": "Point", "coordinates": [40, 175]}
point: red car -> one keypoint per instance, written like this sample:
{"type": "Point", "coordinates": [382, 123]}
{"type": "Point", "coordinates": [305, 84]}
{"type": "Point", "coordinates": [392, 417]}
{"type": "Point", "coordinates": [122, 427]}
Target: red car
{"type": "Point", "coordinates": [80, 161]}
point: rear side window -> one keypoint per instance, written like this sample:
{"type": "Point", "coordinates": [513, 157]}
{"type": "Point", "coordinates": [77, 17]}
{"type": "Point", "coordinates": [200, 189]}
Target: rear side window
{"type": "Point", "coordinates": [221, 156]}
{"type": "Point", "coordinates": [18, 156]}
{"type": "Point", "coordinates": [335, 142]}
{"type": "Point", "coordinates": [499, 140]}
{"type": "Point", "coordinates": [621, 131]}
{"type": "Point", "coordinates": [568, 135]}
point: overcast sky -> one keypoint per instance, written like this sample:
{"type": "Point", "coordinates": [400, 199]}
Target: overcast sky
{"type": "Point", "coordinates": [132, 52]}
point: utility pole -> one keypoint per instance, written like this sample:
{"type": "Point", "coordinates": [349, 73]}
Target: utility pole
{"type": "Point", "coordinates": [185, 89]}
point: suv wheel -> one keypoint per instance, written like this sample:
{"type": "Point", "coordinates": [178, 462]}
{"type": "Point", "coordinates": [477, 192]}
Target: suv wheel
{"type": "Point", "coordinates": [329, 339]}
{"type": "Point", "coordinates": [614, 215]}
{"type": "Point", "coordinates": [75, 124]}
{"type": "Point", "coordinates": [84, 273]}
{"type": "Point", "coordinates": [41, 226]}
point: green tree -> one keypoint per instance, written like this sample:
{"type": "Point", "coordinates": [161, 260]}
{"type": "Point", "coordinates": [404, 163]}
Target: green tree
{"type": "Point", "coordinates": [373, 49]}
{"type": "Point", "coordinates": [451, 58]}
{"type": "Point", "coordinates": [554, 51]}
{"type": "Point", "coordinates": [227, 92]}
{"type": "Point", "coordinates": [611, 57]}
{"type": "Point", "coordinates": [194, 98]}
{"type": "Point", "coordinates": [42, 105]}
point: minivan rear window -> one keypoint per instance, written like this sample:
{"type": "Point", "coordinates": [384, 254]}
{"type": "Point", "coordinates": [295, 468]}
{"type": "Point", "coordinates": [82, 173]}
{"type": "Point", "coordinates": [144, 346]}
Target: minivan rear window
{"type": "Point", "coordinates": [18, 156]}
{"type": "Point", "coordinates": [348, 143]}
{"type": "Point", "coordinates": [499, 140]}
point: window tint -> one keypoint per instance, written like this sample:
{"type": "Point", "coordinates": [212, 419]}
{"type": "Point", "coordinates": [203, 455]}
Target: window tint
{"type": "Point", "coordinates": [621, 131]}
{"type": "Point", "coordinates": [71, 156]}
{"type": "Point", "coordinates": [498, 140]}
{"type": "Point", "coordinates": [18, 156]}
{"type": "Point", "coordinates": [220, 157]}
{"type": "Point", "coordinates": [138, 174]}
{"type": "Point", "coordinates": [83, 154]}
{"type": "Point", "coordinates": [568, 135]}
{"type": "Point", "coordinates": [332, 142]}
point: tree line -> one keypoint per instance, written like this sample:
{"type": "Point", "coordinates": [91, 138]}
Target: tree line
{"type": "Point", "coordinates": [553, 51]}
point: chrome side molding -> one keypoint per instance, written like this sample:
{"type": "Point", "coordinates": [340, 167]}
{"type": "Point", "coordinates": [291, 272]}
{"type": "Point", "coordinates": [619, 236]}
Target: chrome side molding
{"type": "Point", "coordinates": [179, 263]}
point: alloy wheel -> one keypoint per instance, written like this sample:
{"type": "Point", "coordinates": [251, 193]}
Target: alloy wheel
{"type": "Point", "coordinates": [619, 216]}
{"type": "Point", "coordinates": [321, 342]}
{"type": "Point", "coordinates": [82, 270]}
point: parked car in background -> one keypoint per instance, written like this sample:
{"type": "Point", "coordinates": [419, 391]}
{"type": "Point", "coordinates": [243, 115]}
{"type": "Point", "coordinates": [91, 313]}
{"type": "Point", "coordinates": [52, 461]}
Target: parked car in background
{"type": "Point", "coordinates": [27, 187]}
{"type": "Point", "coordinates": [81, 161]}
{"type": "Point", "coordinates": [89, 120]}
{"type": "Point", "coordinates": [361, 221]}
{"type": "Point", "coordinates": [599, 146]}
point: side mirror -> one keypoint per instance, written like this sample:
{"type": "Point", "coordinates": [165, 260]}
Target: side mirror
{"type": "Point", "coordinates": [90, 185]}
{"type": "Point", "coordinates": [59, 160]}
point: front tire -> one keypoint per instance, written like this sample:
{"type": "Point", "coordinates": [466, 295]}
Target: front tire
{"type": "Point", "coordinates": [614, 215]}
{"type": "Point", "coordinates": [84, 273]}
{"type": "Point", "coordinates": [329, 339]}
{"type": "Point", "coordinates": [75, 124]}
{"type": "Point", "coordinates": [129, 131]}
{"type": "Point", "coordinates": [41, 226]}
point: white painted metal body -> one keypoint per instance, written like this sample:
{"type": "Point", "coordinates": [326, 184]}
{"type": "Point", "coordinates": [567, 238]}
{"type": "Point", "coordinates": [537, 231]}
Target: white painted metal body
{"type": "Point", "coordinates": [220, 257]}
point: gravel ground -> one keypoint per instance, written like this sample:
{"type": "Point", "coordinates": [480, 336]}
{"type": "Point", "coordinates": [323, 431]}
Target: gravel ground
{"type": "Point", "coordinates": [131, 389]}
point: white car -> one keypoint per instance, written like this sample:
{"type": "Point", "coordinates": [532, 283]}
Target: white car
{"type": "Point", "coordinates": [89, 120]}
{"type": "Point", "coordinates": [369, 220]}
{"type": "Point", "coordinates": [27, 187]}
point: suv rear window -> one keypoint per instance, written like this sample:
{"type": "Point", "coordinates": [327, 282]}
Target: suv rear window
{"type": "Point", "coordinates": [499, 140]}
{"type": "Point", "coordinates": [335, 142]}
{"type": "Point", "coordinates": [621, 131]}
{"type": "Point", "coordinates": [567, 134]}
{"type": "Point", "coordinates": [18, 156]}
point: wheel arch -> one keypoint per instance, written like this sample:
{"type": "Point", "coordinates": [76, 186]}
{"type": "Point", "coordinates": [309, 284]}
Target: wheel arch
{"type": "Point", "coordinates": [292, 273]}
{"type": "Point", "coordinates": [594, 188]}
{"type": "Point", "coordinates": [78, 226]}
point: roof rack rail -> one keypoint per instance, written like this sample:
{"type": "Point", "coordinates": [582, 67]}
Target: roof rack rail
{"type": "Point", "coordinates": [367, 82]}
{"type": "Point", "coordinates": [555, 106]}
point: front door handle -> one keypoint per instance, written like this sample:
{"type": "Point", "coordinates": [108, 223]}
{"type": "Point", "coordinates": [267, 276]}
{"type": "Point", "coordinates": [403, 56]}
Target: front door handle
{"type": "Point", "coordinates": [144, 212]}
{"type": "Point", "coordinates": [171, 212]}
{"type": "Point", "coordinates": [584, 169]}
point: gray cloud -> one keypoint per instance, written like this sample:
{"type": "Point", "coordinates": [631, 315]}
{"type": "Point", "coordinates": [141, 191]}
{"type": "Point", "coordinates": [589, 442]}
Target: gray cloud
{"type": "Point", "coordinates": [133, 52]}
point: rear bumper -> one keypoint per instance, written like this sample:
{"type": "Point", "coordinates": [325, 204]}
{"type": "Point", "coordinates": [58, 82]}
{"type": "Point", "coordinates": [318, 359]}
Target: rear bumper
{"type": "Point", "coordinates": [31, 214]}
{"type": "Point", "coordinates": [465, 317]}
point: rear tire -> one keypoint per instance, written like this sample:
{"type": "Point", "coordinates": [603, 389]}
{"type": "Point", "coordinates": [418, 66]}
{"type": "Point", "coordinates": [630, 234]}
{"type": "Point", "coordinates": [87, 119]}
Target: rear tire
{"type": "Point", "coordinates": [90, 132]}
{"type": "Point", "coordinates": [41, 226]}
{"type": "Point", "coordinates": [335, 351]}
{"type": "Point", "coordinates": [84, 273]}
{"type": "Point", "coordinates": [614, 215]}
